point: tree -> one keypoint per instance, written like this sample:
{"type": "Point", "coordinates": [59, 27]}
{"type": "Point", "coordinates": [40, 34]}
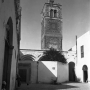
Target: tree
{"type": "Point", "coordinates": [53, 55]}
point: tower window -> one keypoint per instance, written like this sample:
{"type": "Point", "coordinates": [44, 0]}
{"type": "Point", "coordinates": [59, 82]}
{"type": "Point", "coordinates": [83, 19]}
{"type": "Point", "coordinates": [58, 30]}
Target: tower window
{"type": "Point", "coordinates": [51, 13]}
{"type": "Point", "coordinates": [55, 13]}
{"type": "Point", "coordinates": [2, 1]}
{"type": "Point", "coordinates": [82, 51]}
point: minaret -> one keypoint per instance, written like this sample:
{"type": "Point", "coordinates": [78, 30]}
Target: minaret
{"type": "Point", "coordinates": [51, 26]}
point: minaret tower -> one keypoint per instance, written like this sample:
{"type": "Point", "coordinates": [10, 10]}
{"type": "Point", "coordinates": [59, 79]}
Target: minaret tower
{"type": "Point", "coordinates": [51, 26]}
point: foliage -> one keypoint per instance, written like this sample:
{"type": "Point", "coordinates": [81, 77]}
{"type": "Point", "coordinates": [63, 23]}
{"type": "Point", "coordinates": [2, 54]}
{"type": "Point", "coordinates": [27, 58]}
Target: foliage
{"type": "Point", "coordinates": [53, 55]}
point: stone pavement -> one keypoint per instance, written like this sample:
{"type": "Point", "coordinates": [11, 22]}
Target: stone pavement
{"type": "Point", "coordinates": [64, 86]}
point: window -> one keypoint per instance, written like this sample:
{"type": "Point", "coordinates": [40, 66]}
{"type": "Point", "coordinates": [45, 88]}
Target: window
{"type": "Point", "coordinates": [2, 1]}
{"type": "Point", "coordinates": [55, 13]}
{"type": "Point", "coordinates": [82, 51]}
{"type": "Point", "coordinates": [51, 13]}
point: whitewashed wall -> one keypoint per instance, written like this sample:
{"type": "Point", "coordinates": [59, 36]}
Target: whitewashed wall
{"type": "Point", "coordinates": [33, 72]}
{"type": "Point", "coordinates": [62, 72]}
{"type": "Point", "coordinates": [47, 71]}
{"type": "Point", "coordinates": [83, 40]}
{"type": "Point", "coordinates": [50, 70]}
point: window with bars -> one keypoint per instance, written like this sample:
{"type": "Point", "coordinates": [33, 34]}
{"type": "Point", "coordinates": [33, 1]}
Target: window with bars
{"type": "Point", "coordinates": [82, 51]}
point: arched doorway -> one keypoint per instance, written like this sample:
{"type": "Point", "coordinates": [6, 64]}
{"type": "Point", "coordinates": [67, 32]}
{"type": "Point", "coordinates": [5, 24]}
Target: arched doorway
{"type": "Point", "coordinates": [24, 68]}
{"type": "Point", "coordinates": [8, 53]}
{"type": "Point", "coordinates": [85, 73]}
{"type": "Point", "coordinates": [72, 76]}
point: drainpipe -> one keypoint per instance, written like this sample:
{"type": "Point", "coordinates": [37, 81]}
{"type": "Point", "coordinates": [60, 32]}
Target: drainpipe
{"type": "Point", "coordinates": [37, 72]}
{"type": "Point", "coordinates": [76, 49]}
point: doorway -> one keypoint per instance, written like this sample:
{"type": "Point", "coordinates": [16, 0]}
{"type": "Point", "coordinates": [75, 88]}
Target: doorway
{"type": "Point", "coordinates": [24, 70]}
{"type": "Point", "coordinates": [23, 75]}
{"type": "Point", "coordinates": [72, 76]}
{"type": "Point", "coordinates": [85, 73]}
{"type": "Point", "coordinates": [8, 53]}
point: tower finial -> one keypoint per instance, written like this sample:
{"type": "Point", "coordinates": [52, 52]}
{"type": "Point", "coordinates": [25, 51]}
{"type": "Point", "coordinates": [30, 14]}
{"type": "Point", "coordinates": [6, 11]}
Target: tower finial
{"type": "Point", "coordinates": [51, 1]}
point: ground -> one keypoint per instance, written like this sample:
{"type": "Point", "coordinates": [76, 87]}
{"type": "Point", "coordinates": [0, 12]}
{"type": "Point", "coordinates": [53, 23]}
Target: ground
{"type": "Point", "coordinates": [65, 86]}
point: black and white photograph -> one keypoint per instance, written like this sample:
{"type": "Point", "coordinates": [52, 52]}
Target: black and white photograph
{"type": "Point", "coordinates": [44, 44]}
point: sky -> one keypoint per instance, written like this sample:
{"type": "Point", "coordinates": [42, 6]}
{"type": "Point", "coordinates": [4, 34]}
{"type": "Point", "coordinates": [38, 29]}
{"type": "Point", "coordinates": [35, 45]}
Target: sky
{"type": "Point", "coordinates": [75, 18]}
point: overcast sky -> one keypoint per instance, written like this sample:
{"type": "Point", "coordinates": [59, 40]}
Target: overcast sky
{"type": "Point", "coordinates": [76, 21]}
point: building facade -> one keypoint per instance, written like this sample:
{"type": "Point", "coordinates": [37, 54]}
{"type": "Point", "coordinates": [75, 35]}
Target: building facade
{"type": "Point", "coordinates": [51, 26]}
{"type": "Point", "coordinates": [83, 57]}
{"type": "Point", "coordinates": [10, 14]}
{"type": "Point", "coordinates": [31, 69]}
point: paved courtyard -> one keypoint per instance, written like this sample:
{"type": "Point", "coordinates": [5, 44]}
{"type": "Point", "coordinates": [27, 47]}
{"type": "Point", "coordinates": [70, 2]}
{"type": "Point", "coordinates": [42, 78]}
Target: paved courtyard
{"type": "Point", "coordinates": [65, 86]}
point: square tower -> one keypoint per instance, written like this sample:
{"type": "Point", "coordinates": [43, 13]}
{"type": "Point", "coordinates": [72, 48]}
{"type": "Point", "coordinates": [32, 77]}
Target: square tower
{"type": "Point", "coordinates": [51, 26]}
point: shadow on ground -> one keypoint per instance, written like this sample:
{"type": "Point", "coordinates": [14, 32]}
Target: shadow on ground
{"type": "Point", "coordinates": [45, 87]}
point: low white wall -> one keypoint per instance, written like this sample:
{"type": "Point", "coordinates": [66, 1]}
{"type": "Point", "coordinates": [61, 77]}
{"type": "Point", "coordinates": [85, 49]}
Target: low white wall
{"type": "Point", "coordinates": [79, 72]}
{"type": "Point", "coordinates": [62, 72]}
{"type": "Point", "coordinates": [33, 72]}
{"type": "Point", "coordinates": [47, 71]}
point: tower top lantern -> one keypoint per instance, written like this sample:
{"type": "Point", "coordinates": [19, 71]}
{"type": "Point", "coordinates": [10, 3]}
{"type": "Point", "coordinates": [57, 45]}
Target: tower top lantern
{"type": "Point", "coordinates": [50, 1]}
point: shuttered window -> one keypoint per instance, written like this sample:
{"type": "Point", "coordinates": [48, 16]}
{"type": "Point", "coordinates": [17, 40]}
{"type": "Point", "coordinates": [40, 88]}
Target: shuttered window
{"type": "Point", "coordinates": [82, 51]}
